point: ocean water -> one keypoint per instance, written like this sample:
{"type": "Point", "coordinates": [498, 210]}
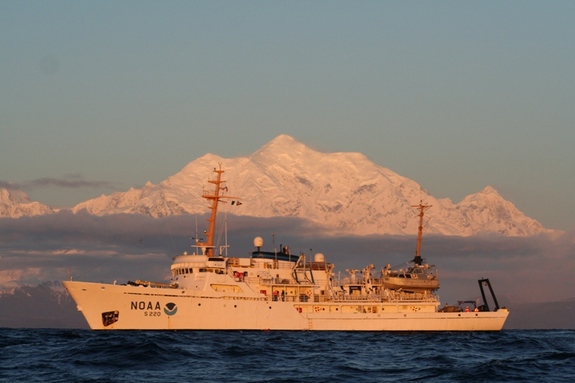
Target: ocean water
{"type": "Point", "coordinates": [32, 355]}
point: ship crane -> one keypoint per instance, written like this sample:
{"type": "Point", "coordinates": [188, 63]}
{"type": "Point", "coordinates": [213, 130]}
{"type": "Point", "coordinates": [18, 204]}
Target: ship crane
{"type": "Point", "coordinates": [352, 273]}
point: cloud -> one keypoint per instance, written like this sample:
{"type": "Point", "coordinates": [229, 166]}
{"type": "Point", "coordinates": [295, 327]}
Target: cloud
{"type": "Point", "coordinates": [70, 181]}
{"type": "Point", "coordinates": [127, 247]}
{"type": "Point", "coordinates": [73, 181]}
{"type": "Point", "coordinates": [9, 185]}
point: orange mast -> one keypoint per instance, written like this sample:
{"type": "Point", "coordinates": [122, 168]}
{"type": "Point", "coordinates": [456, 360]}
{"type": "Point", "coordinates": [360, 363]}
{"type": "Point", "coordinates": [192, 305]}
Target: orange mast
{"type": "Point", "coordinates": [422, 208]}
{"type": "Point", "coordinates": [215, 198]}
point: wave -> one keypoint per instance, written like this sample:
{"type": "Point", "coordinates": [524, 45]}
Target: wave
{"type": "Point", "coordinates": [144, 356]}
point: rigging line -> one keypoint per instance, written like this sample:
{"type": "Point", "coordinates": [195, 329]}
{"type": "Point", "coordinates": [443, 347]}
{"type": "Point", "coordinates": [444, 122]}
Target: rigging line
{"type": "Point", "coordinates": [220, 232]}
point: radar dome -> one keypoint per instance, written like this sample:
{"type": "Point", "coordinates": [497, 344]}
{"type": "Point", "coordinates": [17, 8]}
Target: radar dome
{"type": "Point", "coordinates": [319, 257]}
{"type": "Point", "coordinates": [258, 241]}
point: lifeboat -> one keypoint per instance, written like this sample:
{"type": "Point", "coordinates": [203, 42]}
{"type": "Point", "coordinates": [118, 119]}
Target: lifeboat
{"type": "Point", "coordinates": [414, 278]}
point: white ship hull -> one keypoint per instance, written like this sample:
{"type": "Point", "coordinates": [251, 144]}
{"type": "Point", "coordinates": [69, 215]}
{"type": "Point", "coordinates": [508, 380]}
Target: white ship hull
{"type": "Point", "coordinates": [145, 308]}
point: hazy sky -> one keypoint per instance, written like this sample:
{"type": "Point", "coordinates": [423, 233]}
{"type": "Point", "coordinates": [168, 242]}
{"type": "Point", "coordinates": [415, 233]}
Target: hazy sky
{"type": "Point", "coordinates": [98, 96]}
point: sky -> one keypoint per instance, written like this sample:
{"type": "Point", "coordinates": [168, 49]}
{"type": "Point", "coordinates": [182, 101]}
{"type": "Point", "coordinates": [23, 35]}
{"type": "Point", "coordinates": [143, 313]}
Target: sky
{"type": "Point", "coordinates": [101, 96]}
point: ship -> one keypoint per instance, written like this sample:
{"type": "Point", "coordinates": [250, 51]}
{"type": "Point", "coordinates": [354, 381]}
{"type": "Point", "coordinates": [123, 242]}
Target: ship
{"type": "Point", "coordinates": [279, 290]}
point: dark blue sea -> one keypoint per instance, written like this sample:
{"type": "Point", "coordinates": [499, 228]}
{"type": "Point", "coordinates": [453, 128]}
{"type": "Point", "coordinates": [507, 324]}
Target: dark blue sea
{"type": "Point", "coordinates": [32, 355]}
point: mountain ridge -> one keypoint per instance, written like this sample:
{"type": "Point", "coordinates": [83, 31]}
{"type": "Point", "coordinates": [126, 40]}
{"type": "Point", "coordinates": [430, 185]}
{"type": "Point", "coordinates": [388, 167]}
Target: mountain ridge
{"type": "Point", "coordinates": [345, 192]}
{"type": "Point", "coordinates": [14, 203]}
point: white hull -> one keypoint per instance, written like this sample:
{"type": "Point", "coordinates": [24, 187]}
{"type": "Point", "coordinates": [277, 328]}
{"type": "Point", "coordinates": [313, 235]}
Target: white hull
{"type": "Point", "coordinates": [144, 308]}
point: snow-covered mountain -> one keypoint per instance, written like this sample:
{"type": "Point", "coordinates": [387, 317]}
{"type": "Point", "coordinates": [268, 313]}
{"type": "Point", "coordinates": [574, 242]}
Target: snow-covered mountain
{"type": "Point", "coordinates": [345, 192]}
{"type": "Point", "coordinates": [15, 203]}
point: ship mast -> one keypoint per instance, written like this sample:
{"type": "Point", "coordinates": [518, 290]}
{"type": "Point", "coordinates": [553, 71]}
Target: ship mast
{"type": "Point", "coordinates": [215, 198]}
{"type": "Point", "coordinates": [422, 208]}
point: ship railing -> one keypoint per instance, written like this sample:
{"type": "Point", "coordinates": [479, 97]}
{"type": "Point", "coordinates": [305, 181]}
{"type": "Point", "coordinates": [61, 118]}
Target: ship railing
{"type": "Point", "coordinates": [402, 296]}
{"type": "Point", "coordinates": [269, 281]}
{"type": "Point", "coordinates": [157, 285]}
{"type": "Point", "coordinates": [237, 262]}
{"type": "Point", "coordinates": [270, 264]}
{"type": "Point", "coordinates": [357, 298]}
{"type": "Point", "coordinates": [387, 296]}
{"type": "Point", "coordinates": [358, 281]}
{"type": "Point", "coordinates": [253, 280]}
{"type": "Point", "coordinates": [317, 298]}
{"type": "Point", "coordinates": [292, 298]}
{"type": "Point", "coordinates": [284, 265]}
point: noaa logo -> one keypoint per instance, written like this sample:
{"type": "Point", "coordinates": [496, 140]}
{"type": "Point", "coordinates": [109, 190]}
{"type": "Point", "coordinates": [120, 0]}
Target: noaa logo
{"type": "Point", "coordinates": [170, 309]}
